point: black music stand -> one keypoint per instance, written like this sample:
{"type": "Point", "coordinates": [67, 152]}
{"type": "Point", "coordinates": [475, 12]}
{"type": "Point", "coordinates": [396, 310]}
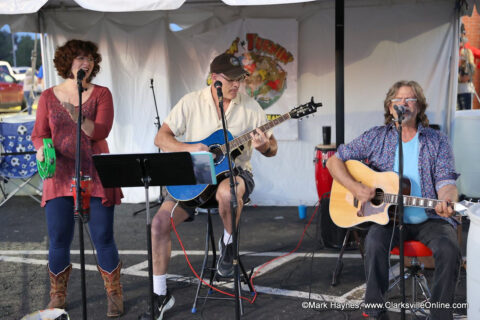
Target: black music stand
{"type": "Point", "coordinates": [154, 169]}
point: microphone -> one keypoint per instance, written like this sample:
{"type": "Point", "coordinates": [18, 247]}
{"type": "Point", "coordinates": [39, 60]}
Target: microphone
{"type": "Point", "coordinates": [401, 110]}
{"type": "Point", "coordinates": [80, 75]}
{"type": "Point", "coordinates": [218, 86]}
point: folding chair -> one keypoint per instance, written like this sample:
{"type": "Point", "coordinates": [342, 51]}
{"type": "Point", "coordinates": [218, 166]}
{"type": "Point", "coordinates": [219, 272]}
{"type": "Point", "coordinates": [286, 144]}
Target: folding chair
{"type": "Point", "coordinates": [20, 167]}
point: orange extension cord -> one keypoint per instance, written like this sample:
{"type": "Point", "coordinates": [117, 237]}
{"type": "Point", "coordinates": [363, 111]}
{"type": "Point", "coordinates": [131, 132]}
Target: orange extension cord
{"type": "Point", "coordinates": [256, 272]}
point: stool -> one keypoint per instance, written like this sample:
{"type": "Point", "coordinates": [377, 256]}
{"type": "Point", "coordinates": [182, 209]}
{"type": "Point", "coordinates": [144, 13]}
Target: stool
{"type": "Point", "coordinates": [210, 239]}
{"type": "Point", "coordinates": [414, 249]}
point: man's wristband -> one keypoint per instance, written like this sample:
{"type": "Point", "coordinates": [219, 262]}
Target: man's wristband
{"type": "Point", "coordinates": [267, 151]}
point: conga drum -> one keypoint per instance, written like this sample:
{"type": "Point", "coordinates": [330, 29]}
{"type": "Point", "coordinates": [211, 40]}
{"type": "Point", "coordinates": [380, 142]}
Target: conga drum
{"type": "Point", "coordinates": [332, 236]}
{"type": "Point", "coordinates": [323, 179]}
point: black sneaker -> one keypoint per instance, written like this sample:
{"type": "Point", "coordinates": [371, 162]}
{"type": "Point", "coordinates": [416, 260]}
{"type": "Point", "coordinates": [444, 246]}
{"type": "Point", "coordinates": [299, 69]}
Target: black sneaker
{"type": "Point", "coordinates": [225, 261]}
{"type": "Point", "coordinates": [162, 303]}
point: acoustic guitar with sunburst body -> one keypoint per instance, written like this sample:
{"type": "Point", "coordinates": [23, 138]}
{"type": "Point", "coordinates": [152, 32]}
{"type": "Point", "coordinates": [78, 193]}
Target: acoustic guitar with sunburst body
{"type": "Point", "coordinates": [346, 211]}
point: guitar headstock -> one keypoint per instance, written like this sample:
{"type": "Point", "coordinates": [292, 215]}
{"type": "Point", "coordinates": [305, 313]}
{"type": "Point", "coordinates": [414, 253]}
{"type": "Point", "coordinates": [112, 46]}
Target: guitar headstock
{"type": "Point", "coordinates": [305, 109]}
{"type": "Point", "coordinates": [464, 207]}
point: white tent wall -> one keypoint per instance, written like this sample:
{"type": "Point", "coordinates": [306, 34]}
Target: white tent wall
{"type": "Point", "coordinates": [383, 43]}
{"type": "Point", "coordinates": [133, 52]}
{"type": "Point", "coordinates": [194, 50]}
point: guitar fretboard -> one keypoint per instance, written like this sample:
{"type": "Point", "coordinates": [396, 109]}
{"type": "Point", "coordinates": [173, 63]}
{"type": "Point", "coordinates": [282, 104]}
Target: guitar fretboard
{"type": "Point", "coordinates": [411, 201]}
{"type": "Point", "coordinates": [244, 138]}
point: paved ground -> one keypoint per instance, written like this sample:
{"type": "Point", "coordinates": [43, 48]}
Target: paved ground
{"type": "Point", "coordinates": [284, 286]}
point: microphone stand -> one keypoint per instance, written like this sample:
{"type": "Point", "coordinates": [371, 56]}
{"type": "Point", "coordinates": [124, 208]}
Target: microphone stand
{"type": "Point", "coordinates": [233, 205]}
{"type": "Point", "coordinates": [146, 179]}
{"type": "Point", "coordinates": [158, 125]}
{"type": "Point", "coordinates": [78, 210]}
{"type": "Point", "coordinates": [400, 210]}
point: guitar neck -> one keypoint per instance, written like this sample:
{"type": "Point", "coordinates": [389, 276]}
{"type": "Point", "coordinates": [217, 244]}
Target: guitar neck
{"type": "Point", "coordinates": [411, 201]}
{"type": "Point", "coordinates": [241, 140]}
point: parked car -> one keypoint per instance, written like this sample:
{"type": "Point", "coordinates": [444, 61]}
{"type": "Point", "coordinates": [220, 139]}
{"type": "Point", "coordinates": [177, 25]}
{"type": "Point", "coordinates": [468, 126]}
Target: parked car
{"type": "Point", "coordinates": [19, 72]}
{"type": "Point", "coordinates": [11, 92]}
{"type": "Point", "coordinates": [6, 67]}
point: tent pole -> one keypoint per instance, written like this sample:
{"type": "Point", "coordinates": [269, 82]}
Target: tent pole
{"type": "Point", "coordinates": [339, 72]}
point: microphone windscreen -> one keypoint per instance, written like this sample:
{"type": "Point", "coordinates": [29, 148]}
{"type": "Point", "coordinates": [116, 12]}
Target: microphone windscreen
{"type": "Point", "coordinates": [399, 108]}
{"type": "Point", "coordinates": [80, 74]}
{"type": "Point", "coordinates": [217, 84]}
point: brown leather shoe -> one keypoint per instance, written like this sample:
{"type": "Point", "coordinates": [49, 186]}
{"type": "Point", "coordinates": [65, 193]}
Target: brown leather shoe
{"type": "Point", "coordinates": [58, 288]}
{"type": "Point", "coordinates": [114, 290]}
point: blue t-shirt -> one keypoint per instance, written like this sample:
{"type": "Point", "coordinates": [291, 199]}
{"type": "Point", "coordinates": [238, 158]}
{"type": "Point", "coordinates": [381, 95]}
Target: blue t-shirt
{"type": "Point", "coordinates": [412, 215]}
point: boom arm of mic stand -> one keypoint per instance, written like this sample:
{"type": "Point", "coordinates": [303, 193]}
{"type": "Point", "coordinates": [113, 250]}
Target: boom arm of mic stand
{"type": "Point", "coordinates": [158, 125]}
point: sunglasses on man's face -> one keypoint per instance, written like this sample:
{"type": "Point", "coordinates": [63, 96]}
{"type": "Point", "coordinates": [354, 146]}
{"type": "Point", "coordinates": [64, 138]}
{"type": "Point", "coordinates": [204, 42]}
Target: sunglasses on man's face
{"type": "Point", "coordinates": [239, 79]}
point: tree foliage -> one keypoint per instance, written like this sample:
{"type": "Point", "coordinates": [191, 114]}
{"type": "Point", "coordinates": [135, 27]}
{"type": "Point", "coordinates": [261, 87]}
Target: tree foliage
{"type": "Point", "coordinates": [24, 47]}
{"type": "Point", "coordinates": [6, 47]}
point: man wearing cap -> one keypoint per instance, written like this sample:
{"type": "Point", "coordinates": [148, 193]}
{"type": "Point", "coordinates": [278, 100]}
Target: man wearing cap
{"type": "Point", "coordinates": [195, 117]}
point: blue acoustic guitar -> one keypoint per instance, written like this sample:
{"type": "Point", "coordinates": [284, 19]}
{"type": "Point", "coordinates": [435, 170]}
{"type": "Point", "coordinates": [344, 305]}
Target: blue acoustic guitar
{"type": "Point", "coordinates": [197, 195]}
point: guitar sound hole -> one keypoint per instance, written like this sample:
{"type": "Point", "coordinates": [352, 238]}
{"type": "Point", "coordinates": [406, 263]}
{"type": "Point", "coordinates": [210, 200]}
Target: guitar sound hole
{"type": "Point", "coordinates": [217, 154]}
{"type": "Point", "coordinates": [378, 199]}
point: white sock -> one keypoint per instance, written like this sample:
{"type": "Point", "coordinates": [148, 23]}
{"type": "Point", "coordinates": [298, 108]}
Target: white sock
{"type": "Point", "coordinates": [227, 237]}
{"type": "Point", "coordinates": [160, 284]}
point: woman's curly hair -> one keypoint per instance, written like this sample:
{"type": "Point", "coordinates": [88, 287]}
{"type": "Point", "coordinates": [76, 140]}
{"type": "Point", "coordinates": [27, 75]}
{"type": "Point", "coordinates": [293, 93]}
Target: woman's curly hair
{"type": "Point", "coordinates": [421, 101]}
{"type": "Point", "coordinates": [65, 54]}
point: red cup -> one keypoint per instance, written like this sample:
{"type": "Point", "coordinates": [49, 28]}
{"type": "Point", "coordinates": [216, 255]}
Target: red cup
{"type": "Point", "coordinates": [86, 191]}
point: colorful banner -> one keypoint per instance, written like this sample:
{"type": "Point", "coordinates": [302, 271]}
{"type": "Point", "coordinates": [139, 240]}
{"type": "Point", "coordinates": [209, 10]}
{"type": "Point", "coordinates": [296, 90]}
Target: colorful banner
{"type": "Point", "coordinates": [268, 51]}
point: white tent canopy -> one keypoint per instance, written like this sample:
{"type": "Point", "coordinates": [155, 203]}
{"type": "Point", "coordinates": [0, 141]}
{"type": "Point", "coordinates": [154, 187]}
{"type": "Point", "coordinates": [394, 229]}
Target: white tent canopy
{"type": "Point", "coordinates": [32, 6]}
{"type": "Point", "coordinates": [384, 42]}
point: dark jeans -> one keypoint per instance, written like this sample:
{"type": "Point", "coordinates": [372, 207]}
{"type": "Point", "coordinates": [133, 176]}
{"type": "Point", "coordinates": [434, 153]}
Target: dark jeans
{"type": "Point", "coordinates": [61, 226]}
{"type": "Point", "coordinates": [439, 236]}
{"type": "Point", "coordinates": [464, 101]}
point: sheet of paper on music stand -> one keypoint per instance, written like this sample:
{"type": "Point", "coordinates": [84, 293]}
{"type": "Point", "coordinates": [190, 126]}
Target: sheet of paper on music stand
{"type": "Point", "coordinates": [203, 167]}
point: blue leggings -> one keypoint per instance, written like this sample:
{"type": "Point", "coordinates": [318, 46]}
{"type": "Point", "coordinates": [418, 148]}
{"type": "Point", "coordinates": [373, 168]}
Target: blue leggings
{"type": "Point", "coordinates": [61, 226]}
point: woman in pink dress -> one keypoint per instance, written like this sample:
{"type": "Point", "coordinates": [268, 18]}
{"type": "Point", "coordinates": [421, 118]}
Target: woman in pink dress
{"type": "Point", "coordinates": [57, 116]}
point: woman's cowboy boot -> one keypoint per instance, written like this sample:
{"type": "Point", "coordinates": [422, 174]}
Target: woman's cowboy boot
{"type": "Point", "coordinates": [58, 288]}
{"type": "Point", "coordinates": [114, 290]}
